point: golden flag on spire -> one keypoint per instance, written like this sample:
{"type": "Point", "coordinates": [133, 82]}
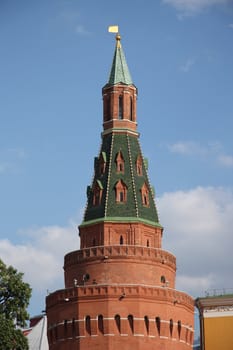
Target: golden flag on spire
{"type": "Point", "coordinates": [113, 29]}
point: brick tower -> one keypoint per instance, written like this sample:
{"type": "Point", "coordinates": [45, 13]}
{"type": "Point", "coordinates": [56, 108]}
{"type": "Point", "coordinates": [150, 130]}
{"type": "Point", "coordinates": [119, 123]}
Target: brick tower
{"type": "Point", "coordinates": [120, 286]}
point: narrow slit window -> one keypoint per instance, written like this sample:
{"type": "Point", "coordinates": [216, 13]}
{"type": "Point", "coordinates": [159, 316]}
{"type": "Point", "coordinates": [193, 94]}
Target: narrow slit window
{"type": "Point", "coordinates": [131, 108]}
{"type": "Point", "coordinates": [120, 108]}
{"type": "Point", "coordinates": [179, 328]}
{"type": "Point", "coordinates": [108, 108]}
{"type": "Point", "coordinates": [101, 324]}
{"type": "Point", "coordinates": [88, 325]}
{"type": "Point", "coordinates": [121, 195]}
{"type": "Point", "coordinates": [158, 324]}
{"type": "Point", "coordinates": [131, 325]}
{"type": "Point", "coordinates": [171, 327]}
{"type": "Point", "coordinates": [146, 319]}
{"type": "Point", "coordinates": [65, 328]}
{"type": "Point", "coordinates": [118, 322]}
{"type": "Point", "coordinates": [73, 328]}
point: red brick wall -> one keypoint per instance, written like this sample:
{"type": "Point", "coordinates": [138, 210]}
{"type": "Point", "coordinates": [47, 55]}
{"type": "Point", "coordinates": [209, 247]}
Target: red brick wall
{"type": "Point", "coordinates": [69, 310]}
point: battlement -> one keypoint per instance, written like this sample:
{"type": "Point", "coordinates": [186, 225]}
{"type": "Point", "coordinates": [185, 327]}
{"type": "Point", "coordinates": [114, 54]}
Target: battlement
{"type": "Point", "coordinates": [117, 291]}
{"type": "Point", "coordinates": [117, 251]}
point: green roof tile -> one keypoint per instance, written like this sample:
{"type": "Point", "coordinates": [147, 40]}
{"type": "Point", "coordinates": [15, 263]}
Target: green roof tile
{"type": "Point", "coordinates": [129, 146]}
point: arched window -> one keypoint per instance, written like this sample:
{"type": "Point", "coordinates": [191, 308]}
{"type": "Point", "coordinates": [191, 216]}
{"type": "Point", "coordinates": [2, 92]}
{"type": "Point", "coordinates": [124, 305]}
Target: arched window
{"type": "Point", "coordinates": [131, 108]}
{"type": "Point", "coordinates": [148, 243]}
{"type": "Point", "coordinates": [158, 324]}
{"type": "Point", "coordinates": [93, 242]}
{"type": "Point", "coordinates": [97, 193]}
{"type": "Point", "coordinates": [118, 323]}
{"type": "Point", "coordinates": [163, 279]}
{"type": "Point", "coordinates": [101, 324]}
{"type": "Point", "coordinates": [120, 108]}
{"type": "Point", "coordinates": [171, 327]}
{"type": "Point", "coordinates": [88, 325]}
{"type": "Point", "coordinates": [102, 163]}
{"type": "Point", "coordinates": [120, 163]}
{"type": "Point", "coordinates": [179, 328]}
{"type": "Point", "coordinates": [131, 325]}
{"type": "Point", "coordinates": [145, 195]}
{"type": "Point", "coordinates": [121, 240]}
{"type": "Point", "coordinates": [139, 165]}
{"type": "Point", "coordinates": [121, 192]}
{"type": "Point", "coordinates": [108, 108]}
{"type": "Point", "coordinates": [146, 320]}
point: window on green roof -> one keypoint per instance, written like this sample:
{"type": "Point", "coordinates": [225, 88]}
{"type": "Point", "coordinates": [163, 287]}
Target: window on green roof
{"type": "Point", "coordinates": [120, 162]}
{"type": "Point", "coordinates": [121, 192]}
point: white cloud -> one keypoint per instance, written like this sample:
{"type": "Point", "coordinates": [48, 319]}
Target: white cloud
{"type": "Point", "coordinates": [41, 258]}
{"type": "Point", "coordinates": [187, 65]}
{"type": "Point", "coordinates": [197, 229]}
{"type": "Point", "coordinates": [213, 150]}
{"type": "Point", "coordinates": [192, 7]}
{"type": "Point", "coordinates": [187, 148]}
{"type": "Point", "coordinates": [225, 160]}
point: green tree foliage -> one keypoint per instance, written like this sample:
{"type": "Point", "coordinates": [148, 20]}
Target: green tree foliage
{"type": "Point", "coordinates": [14, 299]}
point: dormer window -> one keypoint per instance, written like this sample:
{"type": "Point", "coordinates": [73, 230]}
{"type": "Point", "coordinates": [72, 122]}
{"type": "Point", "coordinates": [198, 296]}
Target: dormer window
{"type": "Point", "coordinates": [97, 193]}
{"type": "Point", "coordinates": [139, 165]}
{"type": "Point", "coordinates": [145, 195]}
{"type": "Point", "coordinates": [102, 163]}
{"type": "Point", "coordinates": [120, 163]}
{"type": "Point", "coordinates": [120, 108]}
{"type": "Point", "coordinates": [121, 192]}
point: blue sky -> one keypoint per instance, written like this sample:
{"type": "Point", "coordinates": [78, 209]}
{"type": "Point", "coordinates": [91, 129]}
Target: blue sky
{"type": "Point", "coordinates": [55, 59]}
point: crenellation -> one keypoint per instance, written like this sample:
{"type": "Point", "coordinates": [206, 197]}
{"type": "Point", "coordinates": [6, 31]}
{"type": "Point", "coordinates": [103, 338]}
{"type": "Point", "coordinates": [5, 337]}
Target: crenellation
{"type": "Point", "coordinates": [120, 250]}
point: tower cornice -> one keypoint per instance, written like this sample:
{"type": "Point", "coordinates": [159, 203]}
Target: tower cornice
{"type": "Point", "coordinates": [120, 219]}
{"type": "Point", "coordinates": [120, 131]}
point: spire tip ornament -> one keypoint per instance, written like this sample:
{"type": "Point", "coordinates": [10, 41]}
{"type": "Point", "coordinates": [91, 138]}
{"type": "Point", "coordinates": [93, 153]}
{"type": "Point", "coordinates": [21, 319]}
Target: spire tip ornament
{"type": "Point", "coordinates": [115, 29]}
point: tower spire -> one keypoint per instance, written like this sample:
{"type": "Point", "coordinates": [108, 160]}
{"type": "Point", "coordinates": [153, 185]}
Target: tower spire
{"type": "Point", "coordinates": [119, 72]}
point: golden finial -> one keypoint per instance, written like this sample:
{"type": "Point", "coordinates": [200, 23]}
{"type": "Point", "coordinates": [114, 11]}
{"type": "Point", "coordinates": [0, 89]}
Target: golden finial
{"type": "Point", "coordinates": [115, 29]}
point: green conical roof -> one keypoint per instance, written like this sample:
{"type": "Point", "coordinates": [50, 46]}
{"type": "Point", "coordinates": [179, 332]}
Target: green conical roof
{"type": "Point", "coordinates": [133, 209]}
{"type": "Point", "coordinates": [119, 71]}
